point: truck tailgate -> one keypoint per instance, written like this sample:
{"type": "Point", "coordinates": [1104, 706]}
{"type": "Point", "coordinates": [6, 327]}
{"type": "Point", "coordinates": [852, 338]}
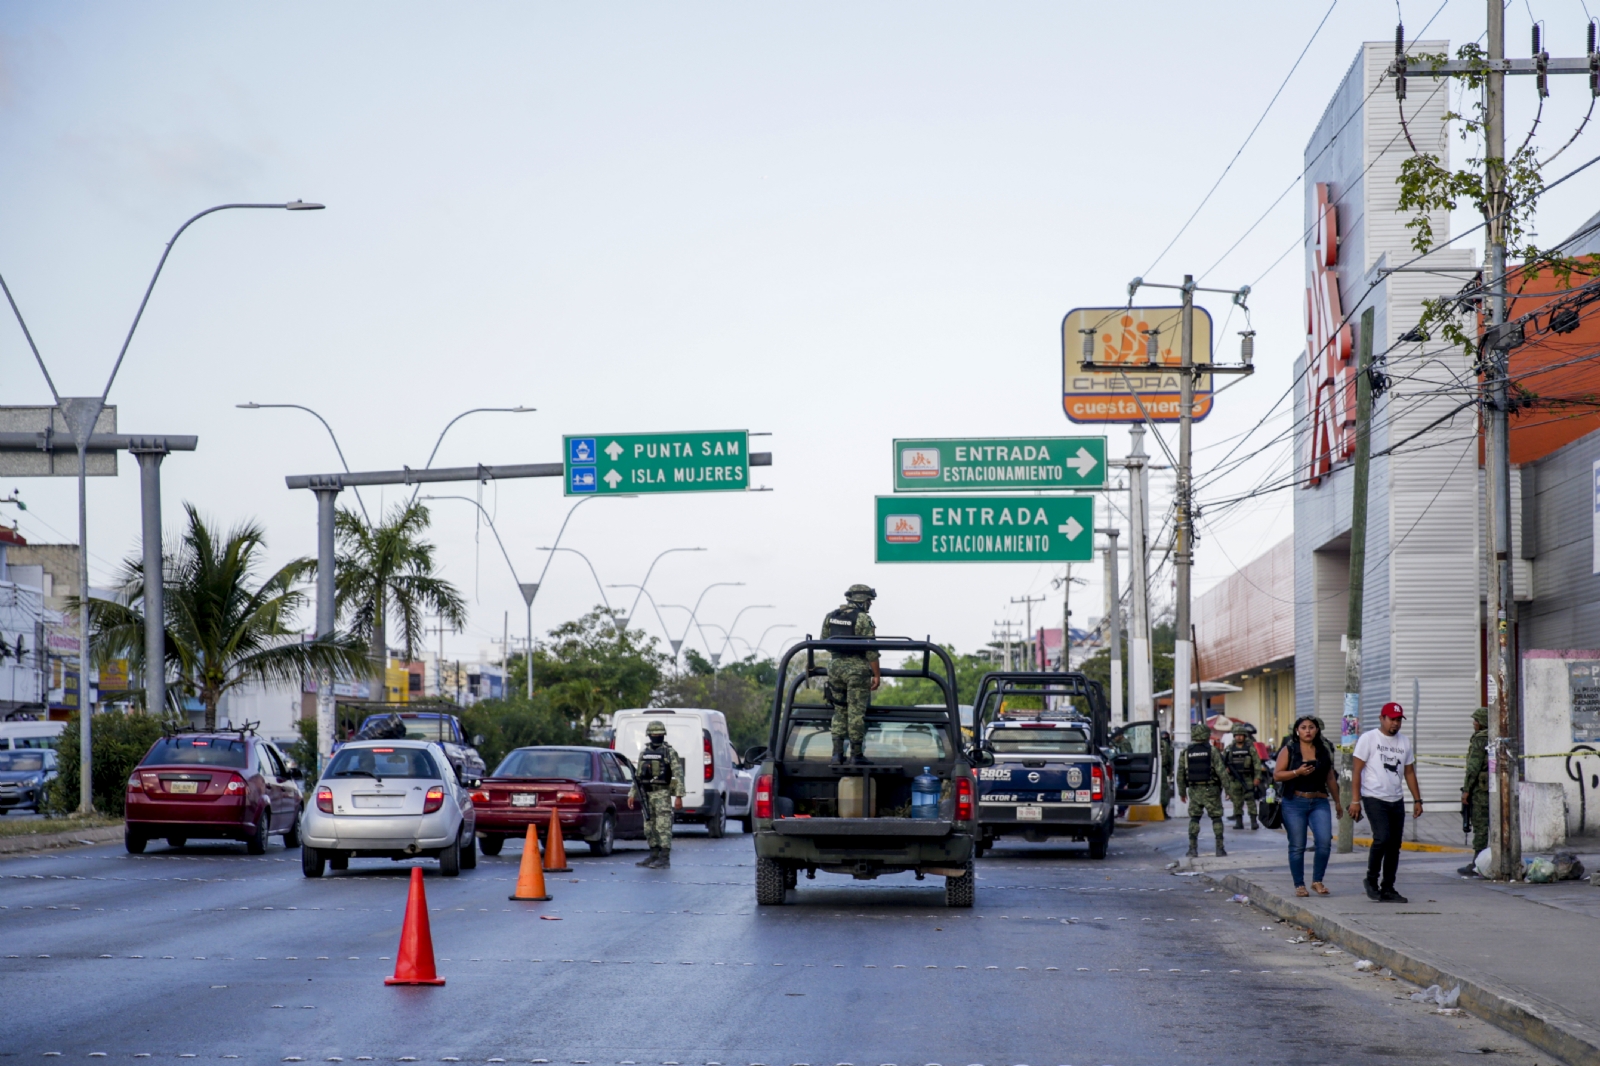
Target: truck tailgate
{"type": "Point", "coordinates": [863, 827]}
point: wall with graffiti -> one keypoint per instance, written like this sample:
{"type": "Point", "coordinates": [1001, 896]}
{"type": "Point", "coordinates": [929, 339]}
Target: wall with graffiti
{"type": "Point", "coordinates": [1561, 730]}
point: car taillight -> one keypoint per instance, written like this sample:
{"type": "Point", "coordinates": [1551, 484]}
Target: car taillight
{"type": "Point", "coordinates": [764, 796]}
{"type": "Point", "coordinates": [480, 797]}
{"type": "Point", "coordinates": [433, 800]}
{"type": "Point", "coordinates": [325, 799]}
{"type": "Point", "coordinates": [152, 783]}
{"type": "Point", "coordinates": [709, 764]}
{"type": "Point", "coordinates": [571, 797]}
{"type": "Point", "coordinates": [1097, 785]}
{"type": "Point", "coordinates": [235, 786]}
{"type": "Point", "coordinates": [963, 799]}
{"type": "Point", "coordinates": [134, 784]}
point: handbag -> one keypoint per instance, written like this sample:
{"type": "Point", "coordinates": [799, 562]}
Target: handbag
{"type": "Point", "coordinates": [1271, 809]}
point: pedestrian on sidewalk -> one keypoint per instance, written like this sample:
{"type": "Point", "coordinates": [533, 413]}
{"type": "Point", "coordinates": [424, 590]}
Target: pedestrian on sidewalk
{"type": "Point", "coordinates": [1307, 781]}
{"type": "Point", "coordinates": [1475, 788]}
{"type": "Point", "coordinates": [1383, 760]}
{"type": "Point", "coordinates": [1202, 777]}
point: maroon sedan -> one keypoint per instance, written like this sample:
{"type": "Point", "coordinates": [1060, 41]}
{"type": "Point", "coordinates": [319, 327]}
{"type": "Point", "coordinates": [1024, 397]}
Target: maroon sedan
{"type": "Point", "coordinates": [227, 786]}
{"type": "Point", "coordinates": [588, 787]}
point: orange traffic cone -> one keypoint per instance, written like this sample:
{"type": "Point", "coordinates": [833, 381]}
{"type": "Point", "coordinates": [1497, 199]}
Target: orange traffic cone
{"type": "Point", "coordinates": [555, 849]}
{"type": "Point", "coordinates": [530, 878]}
{"type": "Point", "coordinates": [413, 964]}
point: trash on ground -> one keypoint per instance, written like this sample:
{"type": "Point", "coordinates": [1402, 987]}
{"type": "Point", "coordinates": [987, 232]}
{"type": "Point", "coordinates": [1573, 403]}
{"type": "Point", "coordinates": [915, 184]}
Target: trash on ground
{"type": "Point", "coordinates": [1435, 994]}
{"type": "Point", "coordinates": [1452, 1011]}
{"type": "Point", "coordinates": [1238, 897]}
{"type": "Point", "coordinates": [1481, 863]}
{"type": "Point", "coordinates": [1186, 873]}
{"type": "Point", "coordinates": [1366, 965]}
{"type": "Point", "coordinates": [1297, 940]}
{"type": "Point", "coordinates": [1568, 866]}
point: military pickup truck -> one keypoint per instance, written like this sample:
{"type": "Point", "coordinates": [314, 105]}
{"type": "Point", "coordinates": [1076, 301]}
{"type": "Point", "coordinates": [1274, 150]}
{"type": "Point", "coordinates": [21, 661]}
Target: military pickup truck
{"type": "Point", "coordinates": [1051, 776]}
{"type": "Point", "coordinates": [813, 815]}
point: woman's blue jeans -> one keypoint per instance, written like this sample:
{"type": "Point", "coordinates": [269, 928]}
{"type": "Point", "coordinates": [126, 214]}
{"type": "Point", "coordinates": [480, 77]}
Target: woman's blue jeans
{"type": "Point", "coordinates": [1298, 813]}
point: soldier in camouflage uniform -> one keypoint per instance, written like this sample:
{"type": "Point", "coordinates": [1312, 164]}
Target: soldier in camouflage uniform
{"type": "Point", "coordinates": [1245, 770]}
{"type": "Point", "coordinates": [1475, 789]}
{"type": "Point", "coordinates": [658, 781]}
{"type": "Point", "coordinates": [1202, 777]}
{"type": "Point", "coordinates": [1166, 772]}
{"type": "Point", "coordinates": [851, 675]}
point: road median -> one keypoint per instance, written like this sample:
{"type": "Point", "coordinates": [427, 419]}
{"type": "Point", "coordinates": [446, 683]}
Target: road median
{"type": "Point", "coordinates": [21, 843]}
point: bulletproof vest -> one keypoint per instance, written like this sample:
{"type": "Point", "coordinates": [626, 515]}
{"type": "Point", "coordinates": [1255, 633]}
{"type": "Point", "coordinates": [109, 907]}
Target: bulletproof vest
{"type": "Point", "coordinates": [654, 768]}
{"type": "Point", "coordinates": [842, 623]}
{"type": "Point", "coordinates": [1242, 761]}
{"type": "Point", "coordinates": [1197, 764]}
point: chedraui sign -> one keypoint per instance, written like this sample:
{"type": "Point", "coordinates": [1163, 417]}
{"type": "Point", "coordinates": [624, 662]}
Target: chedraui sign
{"type": "Point", "coordinates": [985, 529]}
{"type": "Point", "coordinates": [1126, 384]}
{"type": "Point", "coordinates": [985, 464]}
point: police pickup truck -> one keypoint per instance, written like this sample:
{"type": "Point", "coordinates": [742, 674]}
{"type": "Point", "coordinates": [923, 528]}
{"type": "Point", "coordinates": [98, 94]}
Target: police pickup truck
{"type": "Point", "coordinates": [909, 809]}
{"type": "Point", "coordinates": [1050, 778]}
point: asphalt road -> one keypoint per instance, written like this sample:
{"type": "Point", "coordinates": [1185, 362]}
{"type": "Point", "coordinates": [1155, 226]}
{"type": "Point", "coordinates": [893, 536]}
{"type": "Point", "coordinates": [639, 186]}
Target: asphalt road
{"type": "Point", "coordinates": [205, 952]}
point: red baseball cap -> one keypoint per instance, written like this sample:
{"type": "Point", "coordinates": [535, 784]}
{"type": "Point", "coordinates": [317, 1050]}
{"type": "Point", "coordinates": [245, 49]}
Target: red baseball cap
{"type": "Point", "coordinates": [1392, 710]}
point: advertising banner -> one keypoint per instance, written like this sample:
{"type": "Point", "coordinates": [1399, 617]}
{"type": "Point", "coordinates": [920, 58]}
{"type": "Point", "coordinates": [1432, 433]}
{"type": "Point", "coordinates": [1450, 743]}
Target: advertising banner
{"type": "Point", "coordinates": [1126, 385]}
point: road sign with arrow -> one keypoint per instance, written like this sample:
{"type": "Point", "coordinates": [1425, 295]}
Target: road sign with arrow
{"type": "Point", "coordinates": [985, 529]}
{"type": "Point", "coordinates": [626, 464]}
{"type": "Point", "coordinates": [985, 464]}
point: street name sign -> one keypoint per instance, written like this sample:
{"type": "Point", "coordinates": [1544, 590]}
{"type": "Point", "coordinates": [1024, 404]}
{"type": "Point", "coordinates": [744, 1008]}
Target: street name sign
{"type": "Point", "coordinates": [985, 464]}
{"type": "Point", "coordinates": [625, 464]}
{"type": "Point", "coordinates": [1126, 385]}
{"type": "Point", "coordinates": [985, 529]}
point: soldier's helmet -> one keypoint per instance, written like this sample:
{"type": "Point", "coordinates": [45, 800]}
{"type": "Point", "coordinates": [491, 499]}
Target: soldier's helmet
{"type": "Point", "coordinates": [655, 729]}
{"type": "Point", "coordinates": [860, 592]}
{"type": "Point", "coordinates": [1480, 716]}
{"type": "Point", "coordinates": [1199, 733]}
{"type": "Point", "coordinates": [1243, 729]}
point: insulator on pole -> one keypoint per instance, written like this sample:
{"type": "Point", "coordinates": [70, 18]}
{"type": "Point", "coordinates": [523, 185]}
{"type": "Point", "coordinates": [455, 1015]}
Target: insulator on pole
{"type": "Point", "coordinates": [1152, 344]}
{"type": "Point", "coordinates": [1536, 48]}
{"type": "Point", "coordinates": [1088, 345]}
{"type": "Point", "coordinates": [1399, 67]}
{"type": "Point", "coordinates": [1247, 347]}
{"type": "Point", "coordinates": [1589, 48]}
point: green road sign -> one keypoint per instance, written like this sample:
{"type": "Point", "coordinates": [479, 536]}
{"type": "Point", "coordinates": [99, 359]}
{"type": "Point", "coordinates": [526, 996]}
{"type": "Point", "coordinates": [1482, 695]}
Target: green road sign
{"type": "Point", "coordinates": [988, 464]}
{"type": "Point", "coordinates": [985, 529]}
{"type": "Point", "coordinates": [623, 464]}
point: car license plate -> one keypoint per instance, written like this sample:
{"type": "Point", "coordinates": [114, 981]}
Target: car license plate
{"type": "Point", "coordinates": [1030, 814]}
{"type": "Point", "coordinates": [378, 800]}
{"type": "Point", "coordinates": [188, 787]}
{"type": "Point", "coordinates": [524, 799]}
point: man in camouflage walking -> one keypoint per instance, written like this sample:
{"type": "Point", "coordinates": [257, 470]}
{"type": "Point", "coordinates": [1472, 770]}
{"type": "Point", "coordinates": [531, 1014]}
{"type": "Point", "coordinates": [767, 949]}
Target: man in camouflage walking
{"type": "Point", "coordinates": [851, 675]}
{"type": "Point", "coordinates": [1475, 788]}
{"type": "Point", "coordinates": [658, 782]}
{"type": "Point", "coordinates": [1244, 770]}
{"type": "Point", "coordinates": [1202, 777]}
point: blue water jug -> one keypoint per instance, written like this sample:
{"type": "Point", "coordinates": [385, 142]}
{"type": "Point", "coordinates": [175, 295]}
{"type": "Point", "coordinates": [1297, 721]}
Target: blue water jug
{"type": "Point", "coordinates": [925, 795]}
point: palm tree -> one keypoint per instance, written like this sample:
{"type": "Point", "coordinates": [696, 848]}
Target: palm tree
{"type": "Point", "coordinates": [220, 631]}
{"type": "Point", "coordinates": [385, 572]}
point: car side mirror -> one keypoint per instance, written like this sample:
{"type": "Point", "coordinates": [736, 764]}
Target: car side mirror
{"type": "Point", "coordinates": [981, 755]}
{"type": "Point", "coordinates": [477, 739]}
{"type": "Point", "coordinates": [754, 756]}
{"type": "Point", "coordinates": [297, 773]}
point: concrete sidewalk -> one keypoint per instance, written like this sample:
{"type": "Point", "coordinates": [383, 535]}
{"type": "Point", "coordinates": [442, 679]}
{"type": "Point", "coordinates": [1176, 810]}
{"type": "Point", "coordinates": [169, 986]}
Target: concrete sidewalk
{"type": "Point", "coordinates": [1523, 954]}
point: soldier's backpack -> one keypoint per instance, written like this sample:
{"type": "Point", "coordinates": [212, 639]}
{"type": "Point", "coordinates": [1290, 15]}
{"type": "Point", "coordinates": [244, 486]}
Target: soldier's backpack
{"type": "Point", "coordinates": [1197, 764]}
{"type": "Point", "coordinates": [1242, 763]}
{"type": "Point", "coordinates": [654, 768]}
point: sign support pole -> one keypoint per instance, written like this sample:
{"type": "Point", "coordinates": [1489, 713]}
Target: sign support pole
{"type": "Point", "coordinates": [1183, 553]}
{"type": "Point", "coordinates": [1114, 620]}
{"type": "Point", "coordinates": [1141, 681]}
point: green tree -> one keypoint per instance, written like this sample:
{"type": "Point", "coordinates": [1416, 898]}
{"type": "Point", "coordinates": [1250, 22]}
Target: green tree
{"type": "Point", "coordinates": [904, 691]}
{"type": "Point", "coordinates": [1098, 666]}
{"type": "Point", "coordinates": [518, 722]}
{"type": "Point", "coordinates": [386, 573]}
{"type": "Point", "coordinates": [741, 690]}
{"type": "Point", "coordinates": [592, 666]}
{"type": "Point", "coordinates": [120, 741]}
{"type": "Point", "coordinates": [222, 629]}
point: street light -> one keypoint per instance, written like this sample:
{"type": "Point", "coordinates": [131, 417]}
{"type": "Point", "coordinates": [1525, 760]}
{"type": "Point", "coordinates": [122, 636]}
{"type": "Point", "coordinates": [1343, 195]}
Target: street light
{"type": "Point", "coordinates": [81, 413]}
{"type": "Point", "coordinates": [647, 573]}
{"type": "Point", "coordinates": [694, 612]}
{"type": "Point", "coordinates": [653, 606]}
{"type": "Point", "coordinates": [527, 594]}
{"type": "Point", "coordinates": [735, 624]}
{"type": "Point", "coordinates": [517, 410]}
{"type": "Point", "coordinates": [769, 629]}
{"type": "Point", "coordinates": [603, 597]}
{"type": "Point", "coordinates": [342, 461]}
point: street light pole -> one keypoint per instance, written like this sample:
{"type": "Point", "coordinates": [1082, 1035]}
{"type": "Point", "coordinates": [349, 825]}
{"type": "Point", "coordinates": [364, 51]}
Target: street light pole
{"type": "Point", "coordinates": [603, 597]}
{"type": "Point", "coordinates": [81, 413]}
{"type": "Point", "coordinates": [735, 625]}
{"type": "Point", "coordinates": [331, 435]}
{"type": "Point", "coordinates": [647, 573]}
{"type": "Point", "coordinates": [694, 613]}
{"type": "Point", "coordinates": [517, 410]}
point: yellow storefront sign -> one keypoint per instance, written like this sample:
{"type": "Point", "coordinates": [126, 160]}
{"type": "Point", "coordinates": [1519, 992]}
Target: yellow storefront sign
{"type": "Point", "coordinates": [1126, 385]}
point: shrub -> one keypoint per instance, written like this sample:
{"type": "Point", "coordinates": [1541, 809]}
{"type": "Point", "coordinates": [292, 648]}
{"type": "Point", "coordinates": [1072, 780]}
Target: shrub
{"type": "Point", "coordinates": [120, 741]}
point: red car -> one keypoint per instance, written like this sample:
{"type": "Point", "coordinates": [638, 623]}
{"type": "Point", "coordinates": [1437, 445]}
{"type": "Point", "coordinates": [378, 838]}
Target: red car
{"type": "Point", "coordinates": [588, 787]}
{"type": "Point", "coordinates": [227, 786]}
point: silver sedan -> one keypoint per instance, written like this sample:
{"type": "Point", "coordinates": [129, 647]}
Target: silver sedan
{"type": "Point", "coordinates": [390, 799]}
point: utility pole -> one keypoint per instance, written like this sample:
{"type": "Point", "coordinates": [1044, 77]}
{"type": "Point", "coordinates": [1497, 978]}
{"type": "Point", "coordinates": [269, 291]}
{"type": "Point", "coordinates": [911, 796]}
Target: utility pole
{"type": "Point", "coordinates": [1030, 642]}
{"type": "Point", "coordinates": [1350, 722]}
{"type": "Point", "coordinates": [1114, 620]}
{"type": "Point", "coordinates": [1005, 637]}
{"type": "Point", "coordinates": [1141, 682]}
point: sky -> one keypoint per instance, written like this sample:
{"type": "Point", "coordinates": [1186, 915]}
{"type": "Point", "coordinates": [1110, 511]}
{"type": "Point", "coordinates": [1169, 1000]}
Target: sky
{"type": "Point", "coordinates": [834, 223]}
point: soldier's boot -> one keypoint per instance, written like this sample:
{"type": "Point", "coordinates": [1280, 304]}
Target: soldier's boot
{"type": "Point", "coordinates": [1194, 849]}
{"type": "Point", "coordinates": [858, 755]}
{"type": "Point", "coordinates": [1238, 821]}
{"type": "Point", "coordinates": [664, 860]}
{"type": "Point", "coordinates": [650, 859]}
{"type": "Point", "coordinates": [838, 751]}
{"type": "Point", "coordinates": [1220, 849]}
{"type": "Point", "coordinates": [1254, 823]}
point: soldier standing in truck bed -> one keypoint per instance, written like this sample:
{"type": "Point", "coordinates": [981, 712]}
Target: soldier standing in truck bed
{"type": "Point", "coordinates": [851, 675]}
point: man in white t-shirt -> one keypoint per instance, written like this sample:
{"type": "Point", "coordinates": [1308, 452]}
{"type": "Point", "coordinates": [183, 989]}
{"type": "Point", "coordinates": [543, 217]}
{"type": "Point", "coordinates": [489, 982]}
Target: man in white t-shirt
{"type": "Point", "coordinates": [1383, 760]}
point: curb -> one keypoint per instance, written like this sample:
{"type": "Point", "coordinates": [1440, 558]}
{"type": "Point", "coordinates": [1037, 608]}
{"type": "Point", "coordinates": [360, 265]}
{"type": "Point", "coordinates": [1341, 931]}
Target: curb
{"type": "Point", "coordinates": [1413, 845]}
{"type": "Point", "coordinates": [1567, 1039]}
{"type": "Point", "coordinates": [45, 841]}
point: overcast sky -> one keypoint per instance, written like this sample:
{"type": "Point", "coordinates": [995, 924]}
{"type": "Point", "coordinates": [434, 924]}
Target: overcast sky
{"type": "Point", "coordinates": [836, 223]}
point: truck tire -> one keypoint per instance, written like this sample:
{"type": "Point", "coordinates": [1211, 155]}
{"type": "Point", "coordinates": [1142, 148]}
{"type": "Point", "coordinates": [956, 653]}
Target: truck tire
{"type": "Point", "coordinates": [770, 883]}
{"type": "Point", "coordinates": [491, 844]}
{"type": "Point", "coordinates": [961, 891]}
{"type": "Point", "coordinates": [1098, 842]}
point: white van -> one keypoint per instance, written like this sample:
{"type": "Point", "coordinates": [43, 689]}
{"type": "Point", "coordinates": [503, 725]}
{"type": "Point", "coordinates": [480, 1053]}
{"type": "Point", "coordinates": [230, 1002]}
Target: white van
{"type": "Point", "coordinates": [15, 735]}
{"type": "Point", "coordinates": [713, 790]}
